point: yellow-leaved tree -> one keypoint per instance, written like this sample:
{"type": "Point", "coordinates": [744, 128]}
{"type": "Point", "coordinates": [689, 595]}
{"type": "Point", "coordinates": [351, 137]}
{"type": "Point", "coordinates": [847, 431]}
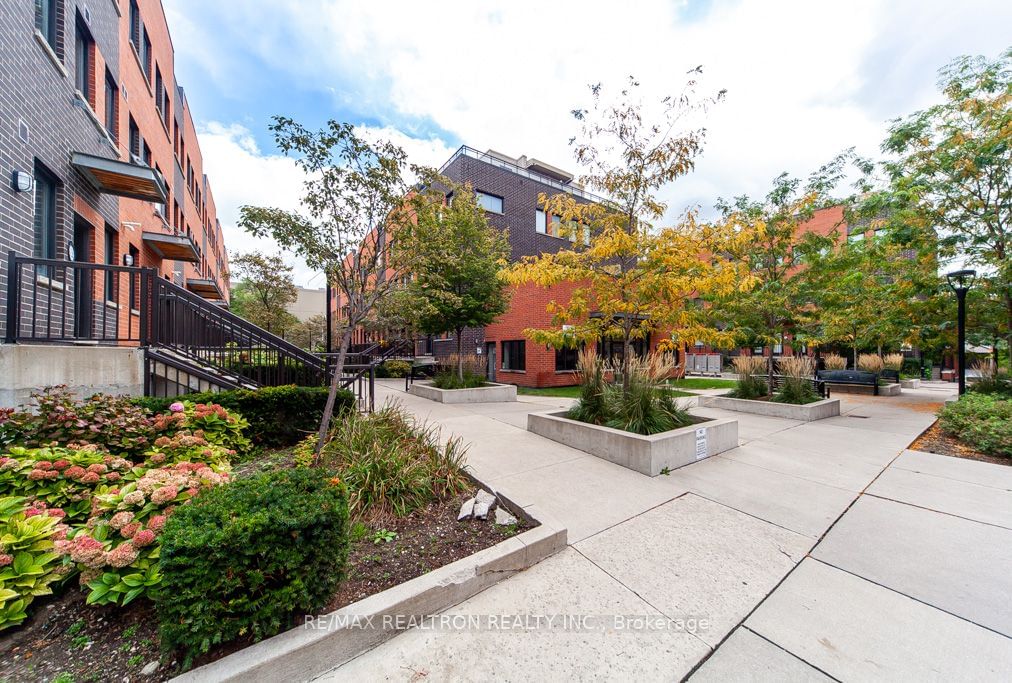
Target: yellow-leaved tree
{"type": "Point", "coordinates": [630, 278]}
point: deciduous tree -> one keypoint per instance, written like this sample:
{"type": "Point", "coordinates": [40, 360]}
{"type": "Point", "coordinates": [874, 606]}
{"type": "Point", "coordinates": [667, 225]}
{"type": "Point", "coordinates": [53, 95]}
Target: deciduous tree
{"type": "Point", "coordinates": [265, 290]}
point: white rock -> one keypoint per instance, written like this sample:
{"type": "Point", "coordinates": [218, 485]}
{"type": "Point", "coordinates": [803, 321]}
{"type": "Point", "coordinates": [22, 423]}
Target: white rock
{"type": "Point", "coordinates": [149, 668]}
{"type": "Point", "coordinates": [503, 517]}
{"type": "Point", "coordinates": [466, 508]}
{"type": "Point", "coordinates": [482, 504]}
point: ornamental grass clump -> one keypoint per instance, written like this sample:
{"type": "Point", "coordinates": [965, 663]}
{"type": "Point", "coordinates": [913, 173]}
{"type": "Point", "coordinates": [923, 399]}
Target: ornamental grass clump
{"type": "Point", "coordinates": [870, 362]}
{"type": "Point", "coordinates": [393, 464]}
{"type": "Point", "coordinates": [751, 383]}
{"type": "Point", "coordinates": [834, 361]}
{"type": "Point", "coordinates": [459, 372]}
{"type": "Point", "coordinates": [247, 558]}
{"type": "Point", "coordinates": [796, 386]}
{"type": "Point", "coordinates": [991, 379]}
{"type": "Point", "coordinates": [645, 406]}
{"type": "Point", "coordinates": [893, 361]}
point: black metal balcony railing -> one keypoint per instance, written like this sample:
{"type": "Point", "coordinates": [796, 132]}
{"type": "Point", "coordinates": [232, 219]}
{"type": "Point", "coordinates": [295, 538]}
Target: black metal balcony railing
{"type": "Point", "coordinates": [192, 342]}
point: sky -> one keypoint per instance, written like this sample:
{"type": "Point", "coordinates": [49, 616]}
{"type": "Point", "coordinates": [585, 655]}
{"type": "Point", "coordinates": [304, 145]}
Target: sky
{"type": "Point", "coordinates": [804, 80]}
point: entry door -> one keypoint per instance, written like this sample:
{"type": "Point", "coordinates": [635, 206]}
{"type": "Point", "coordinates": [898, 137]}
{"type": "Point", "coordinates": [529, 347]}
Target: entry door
{"type": "Point", "coordinates": [490, 361]}
{"type": "Point", "coordinates": [83, 294]}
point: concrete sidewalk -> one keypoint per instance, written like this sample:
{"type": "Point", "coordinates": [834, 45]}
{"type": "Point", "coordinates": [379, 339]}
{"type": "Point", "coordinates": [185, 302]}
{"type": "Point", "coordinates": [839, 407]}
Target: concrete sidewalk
{"type": "Point", "coordinates": [813, 551]}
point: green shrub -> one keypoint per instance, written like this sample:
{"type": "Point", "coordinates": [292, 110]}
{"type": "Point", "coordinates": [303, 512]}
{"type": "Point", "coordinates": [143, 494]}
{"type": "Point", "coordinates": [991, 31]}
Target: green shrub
{"type": "Point", "coordinates": [277, 416]}
{"type": "Point", "coordinates": [111, 422]}
{"type": "Point", "coordinates": [751, 383]}
{"type": "Point", "coordinates": [460, 372]}
{"type": "Point", "coordinates": [244, 559]}
{"type": "Point", "coordinates": [391, 464]}
{"type": "Point", "coordinates": [28, 564]}
{"type": "Point", "coordinates": [396, 368]}
{"type": "Point", "coordinates": [795, 386]}
{"type": "Point", "coordinates": [984, 421]}
{"type": "Point", "coordinates": [911, 368]}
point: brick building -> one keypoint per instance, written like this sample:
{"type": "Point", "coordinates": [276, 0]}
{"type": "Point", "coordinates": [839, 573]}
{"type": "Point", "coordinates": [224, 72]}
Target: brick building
{"type": "Point", "coordinates": [100, 157]}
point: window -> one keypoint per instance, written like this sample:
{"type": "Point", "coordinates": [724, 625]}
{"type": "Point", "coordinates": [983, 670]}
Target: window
{"type": "Point", "coordinates": [135, 139]}
{"type": "Point", "coordinates": [146, 154]}
{"type": "Point", "coordinates": [161, 97]}
{"type": "Point", "coordinates": [855, 237]}
{"type": "Point", "coordinates": [146, 54]}
{"type": "Point", "coordinates": [545, 227]}
{"type": "Point", "coordinates": [111, 106]}
{"type": "Point", "coordinates": [513, 355]}
{"type": "Point", "coordinates": [84, 50]}
{"type": "Point", "coordinates": [135, 26]}
{"type": "Point", "coordinates": [489, 202]}
{"type": "Point", "coordinates": [566, 359]}
{"type": "Point", "coordinates": [47, 20]}
{"type": "Point", "coordinates": [110, 259]}
{"type": "Point", "coordinates": [540, 224]}
{"type": "Point", "coordinates": [45, 213]}
{"type": "Point", "coordinates": [778, 349]}
{"type": "Point", "coordinates": [135, 294]}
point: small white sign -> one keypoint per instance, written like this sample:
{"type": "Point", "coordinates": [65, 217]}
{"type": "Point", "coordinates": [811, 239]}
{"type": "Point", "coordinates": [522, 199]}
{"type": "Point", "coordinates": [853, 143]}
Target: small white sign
{"type": "Point", "coordinates": [700, 443]}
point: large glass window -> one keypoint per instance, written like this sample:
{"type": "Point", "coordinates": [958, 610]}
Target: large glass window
{"type": "Point", "coordinates": [45, 213]}
{"type": "Point", "coordinates": [566, 359]}
{"type": "Point", "coordinates": [489, 202]}
{"type": "Point", "coordinates": [46, 21]}
{"type": "Point", "coordinates": [514, 355]}
{"type": "Point", "coordinates": [83, 56]}
{"type": "Point", "coordinates": [111, 106]}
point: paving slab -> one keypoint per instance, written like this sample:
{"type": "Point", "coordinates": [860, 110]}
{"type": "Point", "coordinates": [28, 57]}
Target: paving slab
{"type": "Point", "coordinates": [587, 495]}
{"type": "Point", "coordinates": [750, 427]}
{"type": "Point", "coordinates": [698, 559]}
{"type": "Point", "coordinates": [963, 499]}
{"type": "Point", "coordinates": [877, 448]}
{"type": "Point", "coordinates": [855, 630]}
{"type": "Point", "coordinates": [797, 504]}
{"type": "Point", "coordinates": [909, 425]}
{"type": "Point", "coordinates": [746, 658]}
{"type": "Point", "coordinates": [565, 584]}
{"type": "Point", "coordinates": [831, 469]}
{"type": "Point", "coordinates": [951, 563]}
{"type": "Point", "coordinates": [960, 469]}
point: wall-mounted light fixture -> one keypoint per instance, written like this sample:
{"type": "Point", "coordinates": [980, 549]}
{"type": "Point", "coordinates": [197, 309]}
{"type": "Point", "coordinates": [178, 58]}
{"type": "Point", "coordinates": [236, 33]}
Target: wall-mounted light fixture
{"type": "Point", "coordinates": [128, 260]}
{"type": "Point", "coordinates": [22, 181]}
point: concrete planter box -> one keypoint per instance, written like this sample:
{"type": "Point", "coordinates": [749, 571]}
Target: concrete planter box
{"type": "Point", "coordinates": [910, 383]}
{"type": "Point", "coordinates": [328, 641]}
{"type": "Point", "coordinates": [490, 393]}
{"type": "Point", "coordinates": [827, 407]}
{"type": "Point", "coordinates": [889, 390]}
{"type": "Point", "coordinates": [645, 454]}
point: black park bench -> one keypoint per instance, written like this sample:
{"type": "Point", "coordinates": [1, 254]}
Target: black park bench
{"type": "Point", "coordinates": [851, 379]}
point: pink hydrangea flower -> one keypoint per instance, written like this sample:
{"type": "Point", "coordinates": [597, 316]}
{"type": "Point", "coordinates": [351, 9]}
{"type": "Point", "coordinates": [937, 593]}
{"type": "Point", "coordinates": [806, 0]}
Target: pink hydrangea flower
{"type": "Point", "coordinates": [56, 512]}
{"type": "Point", "coordinates": [98, 468]}
{"type": "Point", "coordinates": [177, 407]}
{"type": "Point", "coordinates": [61, 464]}
{"type": "Point", "coordinates": [144, 537]}
{"type": "Point", "coordinates": [32, 512]}
{"type": "Point", "coordinates": [75, 472]}
{"type": "Point", "coordinates": [122, 555]}
{"type": "Point", "coordinates": [52, 474]}
{"type": "Point", "coordinates": [112, 476]}
{"type": "Point", "coordinates": [165, 494]}
{"type": "Point", "coordinates": [90, 478]}
{"type": "Point", "coordinates": [5, 559]}
{"type": "Point", "coordinates": [156, 523]}
{"type": "Point", "coordinates": [37, 475]}
{"type": "Point", "coordinates": [60, 532]}
{"type": "Point", "coordinates": [43, 465]}
{"type": "Point", "coordinates": [157, 458]}
{"type": "Point", "coordinates": [130, 529]}
{"type": "Point", "coordinates": [87, 551]}
{"type": "Point", "coordinates": [134, 498]}
{"type": "Point", "coordinates": [121, 519]}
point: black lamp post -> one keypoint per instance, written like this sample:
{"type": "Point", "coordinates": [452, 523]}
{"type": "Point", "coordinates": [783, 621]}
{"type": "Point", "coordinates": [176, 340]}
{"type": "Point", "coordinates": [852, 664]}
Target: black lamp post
{"type": "Point", "coordinates": [960, 282]}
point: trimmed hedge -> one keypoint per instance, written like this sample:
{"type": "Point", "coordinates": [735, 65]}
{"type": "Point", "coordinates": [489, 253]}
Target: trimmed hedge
{"type": "Point", "coordinates": [244, 559]}
{"type": "Point", "coordinates": [277, 416]}
{"type": "Point", "coordinates": [982, 420]}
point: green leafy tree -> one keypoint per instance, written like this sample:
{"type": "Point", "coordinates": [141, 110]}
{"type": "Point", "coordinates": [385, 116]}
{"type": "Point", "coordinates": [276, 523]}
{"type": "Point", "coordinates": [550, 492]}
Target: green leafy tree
{"type": "Point", "coordinates": [265, 290]}
{"type": "Point", "coordinates": [632, 279]}
{"type": "Point", "coordinates": [454, 257]}
{"type": "Point", "coordinates": [309, 334]}
{"type": "Point", "coordinates": [955, 159]}
{"type": "Point", "coordinates": [768, 236]}
{"type": "Point", "coordinates": [354, 197]}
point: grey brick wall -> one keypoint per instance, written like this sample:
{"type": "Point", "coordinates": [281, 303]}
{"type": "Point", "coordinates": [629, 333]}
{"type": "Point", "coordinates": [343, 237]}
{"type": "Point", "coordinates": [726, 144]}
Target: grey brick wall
{"type": "Point", "coordinates": [36, 94]}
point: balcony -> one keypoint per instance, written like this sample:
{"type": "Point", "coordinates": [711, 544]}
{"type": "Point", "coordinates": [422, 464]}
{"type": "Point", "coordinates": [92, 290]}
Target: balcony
{"type": "Point", "coordinates": [171, 247]}
{"type": "Point", "coordinates": [119, 178]}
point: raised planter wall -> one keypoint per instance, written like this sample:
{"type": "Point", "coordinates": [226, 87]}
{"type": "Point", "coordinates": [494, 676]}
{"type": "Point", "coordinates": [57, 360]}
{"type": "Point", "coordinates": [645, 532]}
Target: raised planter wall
{"type": "Point", "coordinates": [490, 393]}
{"type": "Point", "coordinates": [910, 383]}
{"type": "Point", "coordinates": [645, 454]}
{"type": "Point", "coordinates": [889, 390]}
{"type": "Point", "coordinates": [827, 407]}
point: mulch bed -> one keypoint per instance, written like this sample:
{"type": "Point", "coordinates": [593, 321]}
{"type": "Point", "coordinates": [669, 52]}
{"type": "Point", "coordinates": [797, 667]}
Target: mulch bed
{"type": "Point", "coordinates": [934, 440]}
{"type": "Point", "coordinates": [87, 643]}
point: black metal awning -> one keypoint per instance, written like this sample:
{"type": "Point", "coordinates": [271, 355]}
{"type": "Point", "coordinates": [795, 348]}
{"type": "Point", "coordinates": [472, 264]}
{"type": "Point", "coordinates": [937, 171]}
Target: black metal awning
{"type": "Point", "coordinates": [171, 247]}
{"type": "Point", "coordinates": [120, 178]}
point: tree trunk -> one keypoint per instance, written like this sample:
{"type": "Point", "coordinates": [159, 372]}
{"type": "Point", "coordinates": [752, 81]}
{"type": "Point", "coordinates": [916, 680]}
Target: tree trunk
{"type": "Point", "coordinates": [328, 409]}
{"type": "Point", "coordinates": [1008, 337]}
{"type": "Point", "coordinates": [625, 362]}
{"type": "Point", "coordinates": [769, 373]}
{"type": "Point", "coordinates": [460, 358]}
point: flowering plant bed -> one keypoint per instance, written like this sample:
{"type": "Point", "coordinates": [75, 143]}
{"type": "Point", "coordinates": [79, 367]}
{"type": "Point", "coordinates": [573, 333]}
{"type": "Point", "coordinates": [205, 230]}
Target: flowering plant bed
{"type": "Point", "coordinates": [109, 643]}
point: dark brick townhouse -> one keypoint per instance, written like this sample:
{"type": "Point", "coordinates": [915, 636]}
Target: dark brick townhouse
{"type": "Point", "coordinates": [99, 158]}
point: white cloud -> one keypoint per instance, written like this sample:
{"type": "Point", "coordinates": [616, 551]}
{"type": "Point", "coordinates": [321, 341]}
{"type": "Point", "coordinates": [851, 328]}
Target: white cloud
{"type": "Point", "coordinates": [805, 80]}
